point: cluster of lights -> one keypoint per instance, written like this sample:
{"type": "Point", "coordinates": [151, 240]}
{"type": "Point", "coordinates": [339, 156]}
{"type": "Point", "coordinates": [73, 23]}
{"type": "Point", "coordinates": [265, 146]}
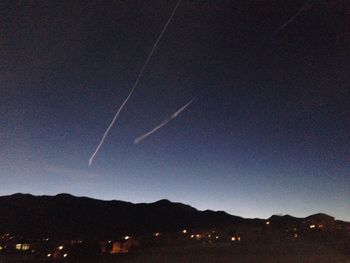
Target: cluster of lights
{"type": "Point", "coordinates": [7, 236]}
{"type": "Point", "coordinates": [198, 236]}
{"type": "Point", "coordinates": [235, 238]}
{"type": "Point", "coordinates": [49, 255]}
{"type": "Point", "coordinates": [22, 246]}
{"type": "Point", "coordinates": [312, 226]}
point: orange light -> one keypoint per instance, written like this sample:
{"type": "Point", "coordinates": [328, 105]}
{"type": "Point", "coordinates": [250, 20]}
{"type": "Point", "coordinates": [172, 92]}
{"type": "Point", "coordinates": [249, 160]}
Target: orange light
{"type": "Point", "coordinates": [239, 238]}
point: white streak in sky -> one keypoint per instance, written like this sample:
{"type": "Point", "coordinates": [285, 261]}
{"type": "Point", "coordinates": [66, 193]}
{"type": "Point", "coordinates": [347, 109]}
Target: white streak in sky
{"type": "Point", "coordinates": [136, 82]}
{"type": "Point", "coordinates": [139, 139]}
{"type": "Point", "coordinates": [306, 6]}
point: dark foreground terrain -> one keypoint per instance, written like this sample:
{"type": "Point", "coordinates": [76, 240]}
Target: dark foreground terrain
{"type": "Point", "coordinates": [286, 251]}
{"type": "Point", "coordinates": [70, 229]}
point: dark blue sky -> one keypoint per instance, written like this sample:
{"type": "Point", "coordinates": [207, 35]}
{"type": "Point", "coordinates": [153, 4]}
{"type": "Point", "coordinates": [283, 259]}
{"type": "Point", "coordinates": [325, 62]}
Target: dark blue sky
{"type": "Point", "coordinates": [268, 132]}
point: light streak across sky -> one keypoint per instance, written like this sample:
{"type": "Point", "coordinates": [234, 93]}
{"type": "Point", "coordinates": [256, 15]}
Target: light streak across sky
{"type": "Point", "coordinates": [173, 116]}
{"type": "Point", "coordinates": [135, 83]}
{"type": "Point", "coordinates": [306, 6]}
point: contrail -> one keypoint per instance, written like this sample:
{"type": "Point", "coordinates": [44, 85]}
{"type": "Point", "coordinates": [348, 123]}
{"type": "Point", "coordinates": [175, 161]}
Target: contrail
{"type": "Point", "coordinates": [306, 6]}
{"type": "Point", "coordinates": [136, 82]}
{"type": "Point", "coordinates": [139, 139]}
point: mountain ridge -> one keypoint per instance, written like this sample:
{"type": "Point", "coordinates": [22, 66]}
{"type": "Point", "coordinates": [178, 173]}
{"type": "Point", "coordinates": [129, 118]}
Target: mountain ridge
{"type": "Point", "coordinates": [65, 215]}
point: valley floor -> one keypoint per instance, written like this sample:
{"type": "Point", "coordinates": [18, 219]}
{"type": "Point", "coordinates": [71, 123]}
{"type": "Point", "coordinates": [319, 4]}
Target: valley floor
{"type": "Point", "coordinates": [283, 252]}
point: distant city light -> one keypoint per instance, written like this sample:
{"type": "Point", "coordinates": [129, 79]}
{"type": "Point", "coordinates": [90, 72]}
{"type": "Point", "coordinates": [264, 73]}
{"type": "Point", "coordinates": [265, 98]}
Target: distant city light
{"type": "Point", "coordinates": [184, 231]}
{"type": "Point", "coordinates": [239, 238]}
{"type": "Point", "coordinates": [233, 238]}
{"type": "Point", "coordinates": [48, 255]}
{"type": "Point", "coordinates": [25, 246]}
{"type": "Point", "coordinates": [60, 247]}
{"type": "Point", "coordinates": [320, 226]}
{"type": "Point", "coordinates": [22, 246]}
{"type": "Point", "coordinates": [312, 226]}
{"type": "Point", "coordinates": [267, 222]}
{"type": "Point", "coordinates": [127, 237]}
{"type": "Point", "coordinates": [295, 235]}
{"type": "Point", "coordinates": [192, 236]}
{"type": "Point", "coordinates": [65, 255]}
{"type": "Point", "coordinates": [157, 234]}
{"type": "Point", "coordinates": [217, 237]}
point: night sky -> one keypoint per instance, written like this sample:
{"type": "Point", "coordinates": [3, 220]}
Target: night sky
{"type": "Point", "coordinates": [268, 132]}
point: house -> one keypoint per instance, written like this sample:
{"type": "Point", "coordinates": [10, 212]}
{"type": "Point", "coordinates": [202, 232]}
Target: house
{"type": "Point", "coordinates": [122, 246]}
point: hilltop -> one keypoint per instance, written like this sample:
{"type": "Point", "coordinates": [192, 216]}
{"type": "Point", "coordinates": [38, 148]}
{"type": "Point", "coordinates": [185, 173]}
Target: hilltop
{"type": "Point", "coordinates": [67, 216]}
